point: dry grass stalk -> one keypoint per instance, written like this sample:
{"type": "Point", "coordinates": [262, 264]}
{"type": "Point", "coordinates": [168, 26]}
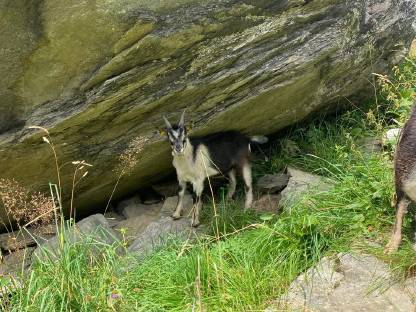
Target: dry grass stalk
{"type": "Point", "coordinates": [127, 161]}
{"type": "Point", "coordinates": [24, 206]}
{"type": "Point", "coordinates": [130, 156]}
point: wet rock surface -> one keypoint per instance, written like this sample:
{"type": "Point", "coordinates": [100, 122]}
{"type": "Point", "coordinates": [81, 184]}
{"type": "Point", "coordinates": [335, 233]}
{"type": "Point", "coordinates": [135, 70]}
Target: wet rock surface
{"type": "Point", "coordinates": [98, 74]}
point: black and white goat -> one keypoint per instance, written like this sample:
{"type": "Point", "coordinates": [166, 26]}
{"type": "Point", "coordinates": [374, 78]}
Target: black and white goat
{"type": "Point", "coordinates": [195, 159]}
{"type": "Point", "coordinates": [405, 180]}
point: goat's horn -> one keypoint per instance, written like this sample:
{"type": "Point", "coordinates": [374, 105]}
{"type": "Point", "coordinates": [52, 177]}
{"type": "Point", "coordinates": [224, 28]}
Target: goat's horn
{"type": "Point", "coordinates": [167, 122]}
{"type": "Point", "coordinates": [182, 121]}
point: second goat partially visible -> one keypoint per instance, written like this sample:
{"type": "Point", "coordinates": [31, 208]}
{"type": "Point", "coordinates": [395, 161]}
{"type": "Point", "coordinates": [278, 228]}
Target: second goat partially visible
{"type": "Point", "coordinates": [405, 180]}
{"type": "Point", "coordinates": [195, 159]}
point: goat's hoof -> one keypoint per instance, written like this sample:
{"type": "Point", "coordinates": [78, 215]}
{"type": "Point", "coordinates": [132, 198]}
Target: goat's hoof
{"type": "Point", "coordinates": [390, 248]}
{"type": "Point", "coordinates": [176, 216]}
{"type": "Point", "coordinates": [195, 224]}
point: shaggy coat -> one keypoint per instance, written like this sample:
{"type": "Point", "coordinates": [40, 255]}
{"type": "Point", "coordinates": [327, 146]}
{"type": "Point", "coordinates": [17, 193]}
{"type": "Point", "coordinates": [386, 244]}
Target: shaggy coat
{"type": "Point", "coordinates": [405, 179]}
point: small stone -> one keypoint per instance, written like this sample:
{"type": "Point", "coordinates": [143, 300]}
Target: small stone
{"type": "Point", "coordinates": [272, 183]}
{"type": "Point", "coordinates": [113, 218]}
{"type": "Point", "coordinates": [267, 203]}
{"type": "Point", "coordinates": [170, 203]}
{"type": "Point", "coordinates": [391, 136]}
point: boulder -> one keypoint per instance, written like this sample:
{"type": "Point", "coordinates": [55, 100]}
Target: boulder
{"type": "Point", "coordinates": [300, 183]}
{"type": "Point", "coordinates": [94, 228]}
{"type": "Point", "coordinates": [348, 282]}
{"type": "Point", "coordinates": [100, 74]}
{"type": "Point", "coordinates": [272, 183]}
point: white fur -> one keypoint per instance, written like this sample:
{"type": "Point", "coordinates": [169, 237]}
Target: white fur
{"type": "Point", "coordinates": [190, 170]}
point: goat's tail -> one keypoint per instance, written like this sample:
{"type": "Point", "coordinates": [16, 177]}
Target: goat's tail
{"type": "Point", "coordinates": [259, 139]}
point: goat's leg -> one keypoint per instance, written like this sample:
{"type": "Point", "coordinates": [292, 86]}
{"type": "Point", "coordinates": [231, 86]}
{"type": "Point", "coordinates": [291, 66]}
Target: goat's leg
{"type": "Point", "coordinates": [232, 185]}
{"type": "Point", "coordinates": [182, 188]}
{"type": "Point", "coordinates": [246, 170]}
{"type": "Point", "coordinates": [396, 237]}
{"type": "Point", "coordinates": [198, 188]}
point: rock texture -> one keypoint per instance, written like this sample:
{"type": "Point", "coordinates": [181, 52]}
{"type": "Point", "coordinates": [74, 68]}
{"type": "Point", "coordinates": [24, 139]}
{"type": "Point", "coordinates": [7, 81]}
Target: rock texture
{"type": "Point", "coordinates": [348, 282]}
{"type": "Point", "coordinates": [99, 73]}
{"type": "Point", "coordinates": [300, 183]}
{"type": "Point", "coordinates": [94, 227]}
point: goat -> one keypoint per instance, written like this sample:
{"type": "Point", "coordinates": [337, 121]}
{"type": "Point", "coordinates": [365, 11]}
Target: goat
{"type": "Point", "coordinates": [196, 159]}
{"type": "Point", "coordinates": [405, 180]}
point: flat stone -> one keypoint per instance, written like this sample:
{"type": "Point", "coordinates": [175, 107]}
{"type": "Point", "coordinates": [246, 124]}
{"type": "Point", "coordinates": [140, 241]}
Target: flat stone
{"type": "Point", "coordinates": [131, 227]}
{"type": "Point", "coordinates": [267, 203]}
{"type": "Point", "coordinates": [131, 208]}
{"type": "Point", "coordinates": [272, 183]}
{"type": "Point", "coordinates": [348, 282]}
{"type": "Point", "coordinates": [169, 205]}
{"type": "Point", "coordinates": [300, 183]}
{"type": "Point", "coordinates": [160, 232]}
{"type": "Point", "coordinates": [26, 237]}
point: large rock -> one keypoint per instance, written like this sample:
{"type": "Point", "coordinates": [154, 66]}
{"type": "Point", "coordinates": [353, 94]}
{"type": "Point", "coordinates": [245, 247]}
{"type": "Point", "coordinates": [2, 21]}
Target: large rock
{"type": "Point", "coordinates": [99, 73]}
{"type": "Point", "coordinates": [348, 282]}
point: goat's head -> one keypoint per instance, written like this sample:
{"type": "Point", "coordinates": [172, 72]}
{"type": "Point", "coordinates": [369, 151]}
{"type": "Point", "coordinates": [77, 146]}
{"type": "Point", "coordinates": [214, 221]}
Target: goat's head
{"type": "Point", "coordinates": [177, 135]}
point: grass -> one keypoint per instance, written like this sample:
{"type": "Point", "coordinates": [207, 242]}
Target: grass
{"type": "Point", "coordinates": [246, 261]}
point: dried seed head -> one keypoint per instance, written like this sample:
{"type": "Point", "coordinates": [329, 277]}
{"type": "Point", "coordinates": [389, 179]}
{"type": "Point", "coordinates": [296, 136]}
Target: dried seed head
{"type": "Point", "coordinates": [24, 206]}
{"type": "Point", "coordinates": [130, 156]}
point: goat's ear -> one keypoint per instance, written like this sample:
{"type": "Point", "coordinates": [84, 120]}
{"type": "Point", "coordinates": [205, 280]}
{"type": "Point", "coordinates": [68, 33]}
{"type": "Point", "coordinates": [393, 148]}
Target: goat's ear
{"type": "Point", "coordinates": [182, 121]}
{"type": "Point", "coordinates": [168, 125]}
